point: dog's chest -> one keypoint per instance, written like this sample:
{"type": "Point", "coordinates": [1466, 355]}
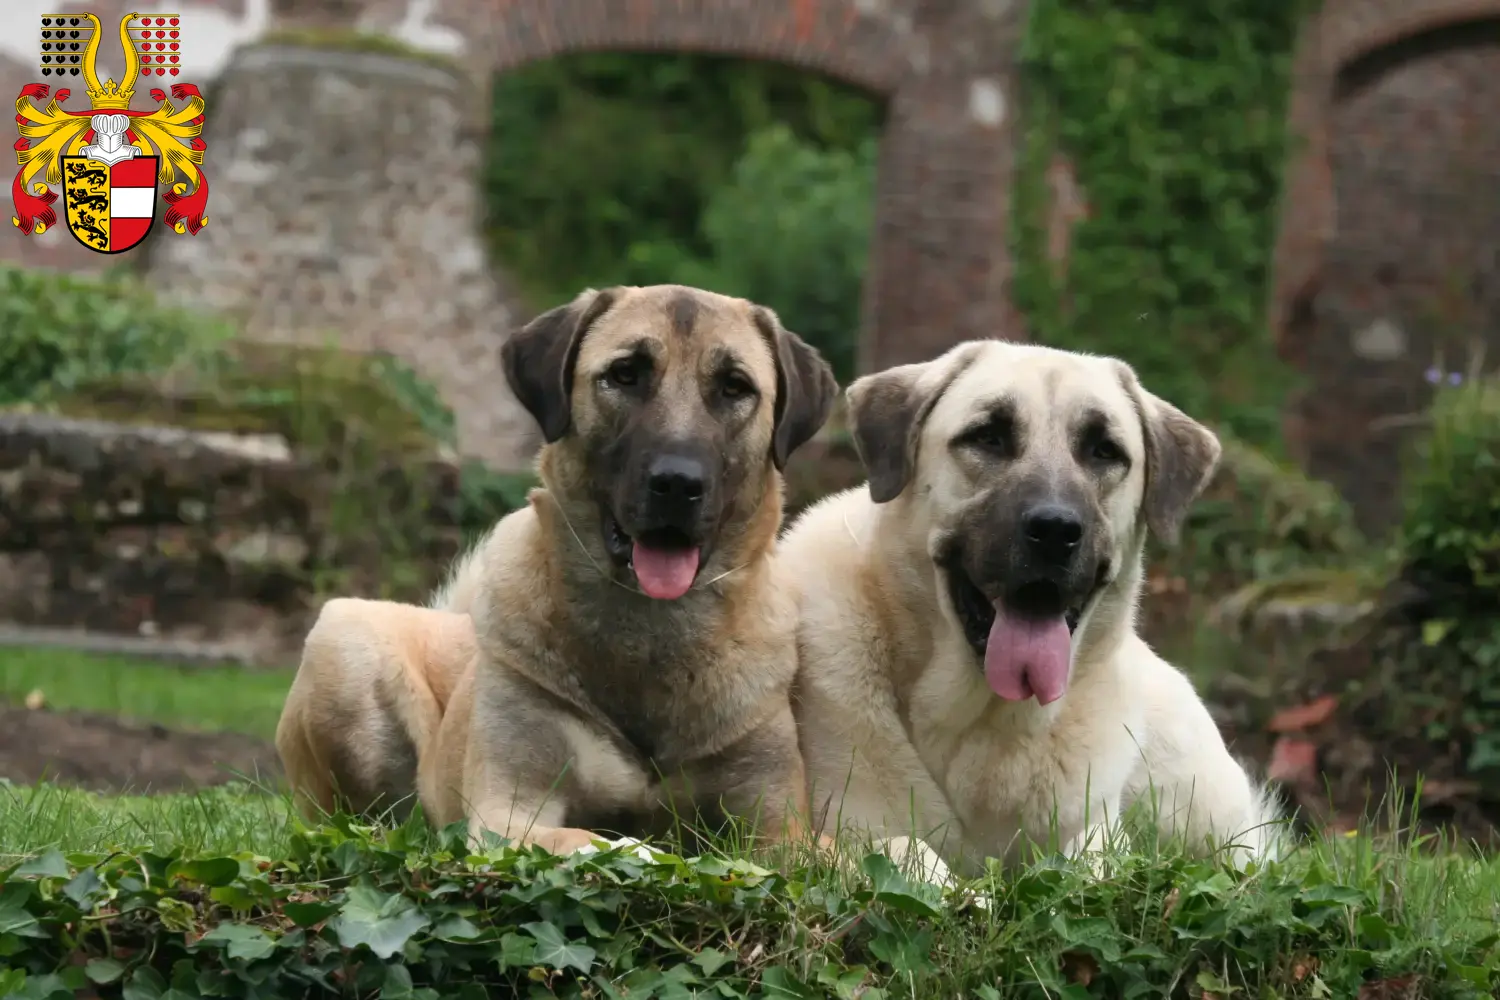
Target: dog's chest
{"type": "Point", "coordinates": [670, 696]}
{"type": "Point", "coordinates": [1045, 780]}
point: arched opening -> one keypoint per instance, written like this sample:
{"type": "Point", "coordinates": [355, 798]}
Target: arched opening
{"type": "Point", "coordinates": [1410, 280]}
{"type": "Point", "coordinates": [752, 177]}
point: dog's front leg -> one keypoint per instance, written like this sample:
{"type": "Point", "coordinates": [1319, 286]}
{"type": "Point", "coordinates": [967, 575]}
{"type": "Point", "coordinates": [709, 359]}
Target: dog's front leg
{"type": "Point", "coordinates": [762, 779]}
{"type": "Point", "coordinates": [505, 751]}
{"type": "Point", "coordinates": [1196, 790]}
{"type": "Point", "coordinates": [1091, 846]}
{"type": "Point", "coordinates": [499, 803]}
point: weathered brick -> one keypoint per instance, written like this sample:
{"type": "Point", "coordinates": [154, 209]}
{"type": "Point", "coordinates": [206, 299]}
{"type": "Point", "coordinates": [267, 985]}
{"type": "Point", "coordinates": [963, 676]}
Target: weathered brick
{"type": "Point", "coordinates": [1390, 200]}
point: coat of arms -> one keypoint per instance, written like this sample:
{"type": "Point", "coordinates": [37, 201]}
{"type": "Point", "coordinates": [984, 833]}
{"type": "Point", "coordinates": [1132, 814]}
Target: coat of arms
{"type": "Point", "coordinates": [110, 159]}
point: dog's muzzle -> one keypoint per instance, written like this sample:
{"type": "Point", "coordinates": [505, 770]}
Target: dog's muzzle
{"type": "Point", "coordinates": [1020, 598]}
{"type": "Point", "coordinates": [660, 530]}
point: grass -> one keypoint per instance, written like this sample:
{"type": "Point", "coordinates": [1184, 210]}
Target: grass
{"type": "Point", "coordinates": [236, 817]}
{"type": "Point", "coordinates": [208, 699]}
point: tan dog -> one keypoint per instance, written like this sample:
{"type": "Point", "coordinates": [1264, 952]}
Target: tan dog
{"type": "Point", "coordinates": [618, 653]}
{"type": "Point", "coordinates": [971, 673]}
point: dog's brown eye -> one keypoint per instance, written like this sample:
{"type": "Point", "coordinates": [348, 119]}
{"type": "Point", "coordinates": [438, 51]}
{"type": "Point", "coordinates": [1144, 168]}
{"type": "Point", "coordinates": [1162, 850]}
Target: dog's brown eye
{"type": "Point", "coordinates": [624, 373]}
{"type": "Point", "coordinates": [1107, 451]}
{"type": "Point", "coordinates": [735, 386]}
{"type": "Point", "coordinates": [995, 437]}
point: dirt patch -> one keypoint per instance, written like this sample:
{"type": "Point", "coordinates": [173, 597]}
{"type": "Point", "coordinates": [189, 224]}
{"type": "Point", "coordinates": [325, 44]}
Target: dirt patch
{"type": "Point", "coordinates": [102, 753]}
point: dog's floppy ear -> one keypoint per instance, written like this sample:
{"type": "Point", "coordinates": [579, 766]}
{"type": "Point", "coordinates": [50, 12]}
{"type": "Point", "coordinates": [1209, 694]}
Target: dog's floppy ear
{"type": "Point", "coordinates": [885, 412]}
{"type": "Point", "coordinates": [805, 387]}
{"type": "Point", "coordinates": [1181, 457]}
{"type": "Point", "coordinates": [539, 359]}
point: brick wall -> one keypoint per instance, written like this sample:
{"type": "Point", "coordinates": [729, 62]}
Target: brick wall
{"type": "Point", "coordinates": [1388, 249]}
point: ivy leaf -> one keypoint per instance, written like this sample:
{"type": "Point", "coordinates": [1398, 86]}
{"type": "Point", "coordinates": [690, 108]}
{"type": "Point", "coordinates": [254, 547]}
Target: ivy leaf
{"type": "Point", "coordinates": [145, 984]}
{"type": "Point", "coordinates": [380, 921]}
{"type": "Point", "coordinates": [103, 970]}
{"type": "Point", "coordinates": [517, 952]}
{"type": "Point", "coordinates": [212, 872]}
{"type": "Point", "coordinates": [710, 960]}
{"type": "Point", "coordinates": [906, 953]}
{"type": "Point", "coordinates": [455, 928]}
{"type": "Point", "coordinates": [242, 942]}
{"type": "Point", "coordinates": [84, 888]}
{"type": "Point", "coordinates": [175, 914]}
{"type": "Point", "coordinates": [554, 950]}
{"type": "Point", "coordinates": [49, 865]}
{"type": "Point", "coordinates": [13, 916]}
{"type": "Point", "coordinates": [895, 890]}
{"type": "Point", "coordinates": [308, 914]}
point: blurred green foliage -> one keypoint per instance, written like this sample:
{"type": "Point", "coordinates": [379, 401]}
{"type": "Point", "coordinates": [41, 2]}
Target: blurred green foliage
{"type": "Point", "coordinates": [1173, 117]}
{"type": "Point", "coordinates": [791, 228]}
{"type": "Point", "coordinates": [60, 331]}
{"type": "Point", "coordinates": [610, 168]}
{"type": "Point", "coordinates": [1451, 531]}
{"type": "Point", "coordinates": [1450, 551]}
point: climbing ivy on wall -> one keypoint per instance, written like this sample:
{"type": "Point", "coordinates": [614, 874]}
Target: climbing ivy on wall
{"type": "Point", "coordinates": [1173, 116]}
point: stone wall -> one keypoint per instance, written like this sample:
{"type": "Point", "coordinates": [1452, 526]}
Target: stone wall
{"type": "Point", "coordinates": [203, 539]}
{"type": "Point", "coordinates": [1389, 251]}
{"type": "Point", "coordinates": [351, 215]}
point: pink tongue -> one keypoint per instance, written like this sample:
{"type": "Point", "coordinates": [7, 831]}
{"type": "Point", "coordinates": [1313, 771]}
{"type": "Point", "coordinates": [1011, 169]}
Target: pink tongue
{"type": "Point", "coordinates": [665, 574]}
{"type": "Point", "coordinates": [1026, 657]}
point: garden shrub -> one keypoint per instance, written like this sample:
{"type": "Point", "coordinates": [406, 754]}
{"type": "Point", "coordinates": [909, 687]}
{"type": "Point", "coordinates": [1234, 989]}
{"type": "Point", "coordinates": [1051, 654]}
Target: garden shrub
{"type": "Point", "coordinates": [1450, 553]}
{"type": "Point", "coordinates": [596, 160]}
{"type": "Point", "coordinates": [1261, 516]}
{"type": "Point", "coordinates": [58, 331]}
{"type": "Point", "coordinates": [1451, 532]}
{"type": "Point", "coordinates": [792, 229]}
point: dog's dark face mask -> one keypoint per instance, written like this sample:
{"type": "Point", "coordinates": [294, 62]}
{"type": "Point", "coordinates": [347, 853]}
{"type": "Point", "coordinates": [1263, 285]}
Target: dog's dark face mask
{"type": "Point", "coordinates": [682, 401]}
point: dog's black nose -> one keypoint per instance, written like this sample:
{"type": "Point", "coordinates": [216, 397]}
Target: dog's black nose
{"type": "Point", "coordinates": [1052, 531]}
{"type": "Point", "coordinates": [676, 479]}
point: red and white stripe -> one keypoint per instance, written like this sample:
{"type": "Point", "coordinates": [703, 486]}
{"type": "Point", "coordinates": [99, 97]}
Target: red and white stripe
{"type": "Point", "coordinates": [132, 201]}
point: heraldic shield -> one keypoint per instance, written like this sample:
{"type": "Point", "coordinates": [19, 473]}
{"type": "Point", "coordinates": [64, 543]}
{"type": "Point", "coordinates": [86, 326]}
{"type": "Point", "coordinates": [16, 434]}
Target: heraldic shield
{"type": "Point", "coordinates": [110, 206]}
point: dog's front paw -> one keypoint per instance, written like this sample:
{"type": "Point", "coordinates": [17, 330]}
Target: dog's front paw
{"type": "Point", "coordinates": [913, 855]}
{"type": "Point", "coordinates": [563, 840]}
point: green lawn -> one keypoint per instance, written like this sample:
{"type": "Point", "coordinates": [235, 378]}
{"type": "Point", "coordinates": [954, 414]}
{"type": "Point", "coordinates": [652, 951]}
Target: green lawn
{"type": "Point", "coordinates": [224, 893]}
{"type": "Point", "coordinates": [209, 698]}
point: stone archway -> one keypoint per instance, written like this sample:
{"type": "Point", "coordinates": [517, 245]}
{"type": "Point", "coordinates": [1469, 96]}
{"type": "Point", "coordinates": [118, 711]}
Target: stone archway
{"type": "Point", "coordinates": [939, 267]}
{"type": "Point", "coordinates": [1390, 240]}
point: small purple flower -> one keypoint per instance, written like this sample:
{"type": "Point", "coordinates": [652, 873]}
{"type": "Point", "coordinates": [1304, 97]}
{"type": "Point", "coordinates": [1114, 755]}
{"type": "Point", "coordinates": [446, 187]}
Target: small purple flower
{"type": "Point", "coordinates": [1433, 376]}
{"type": "Point", "coordinates": [1454, 378]}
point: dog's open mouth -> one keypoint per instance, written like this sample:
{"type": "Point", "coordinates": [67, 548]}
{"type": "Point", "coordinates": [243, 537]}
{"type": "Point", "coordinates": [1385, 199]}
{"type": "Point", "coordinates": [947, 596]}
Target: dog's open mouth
{"type": "Point", "coordinates": [976, 613]}
{"type": "Point", "coordinates": [665, 561]}
{"type": "Point", "coordinates": [1024, 637]}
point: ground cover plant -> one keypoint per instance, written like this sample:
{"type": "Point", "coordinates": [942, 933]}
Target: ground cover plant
{"type": "Point", "coordinates": [220, 895]}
